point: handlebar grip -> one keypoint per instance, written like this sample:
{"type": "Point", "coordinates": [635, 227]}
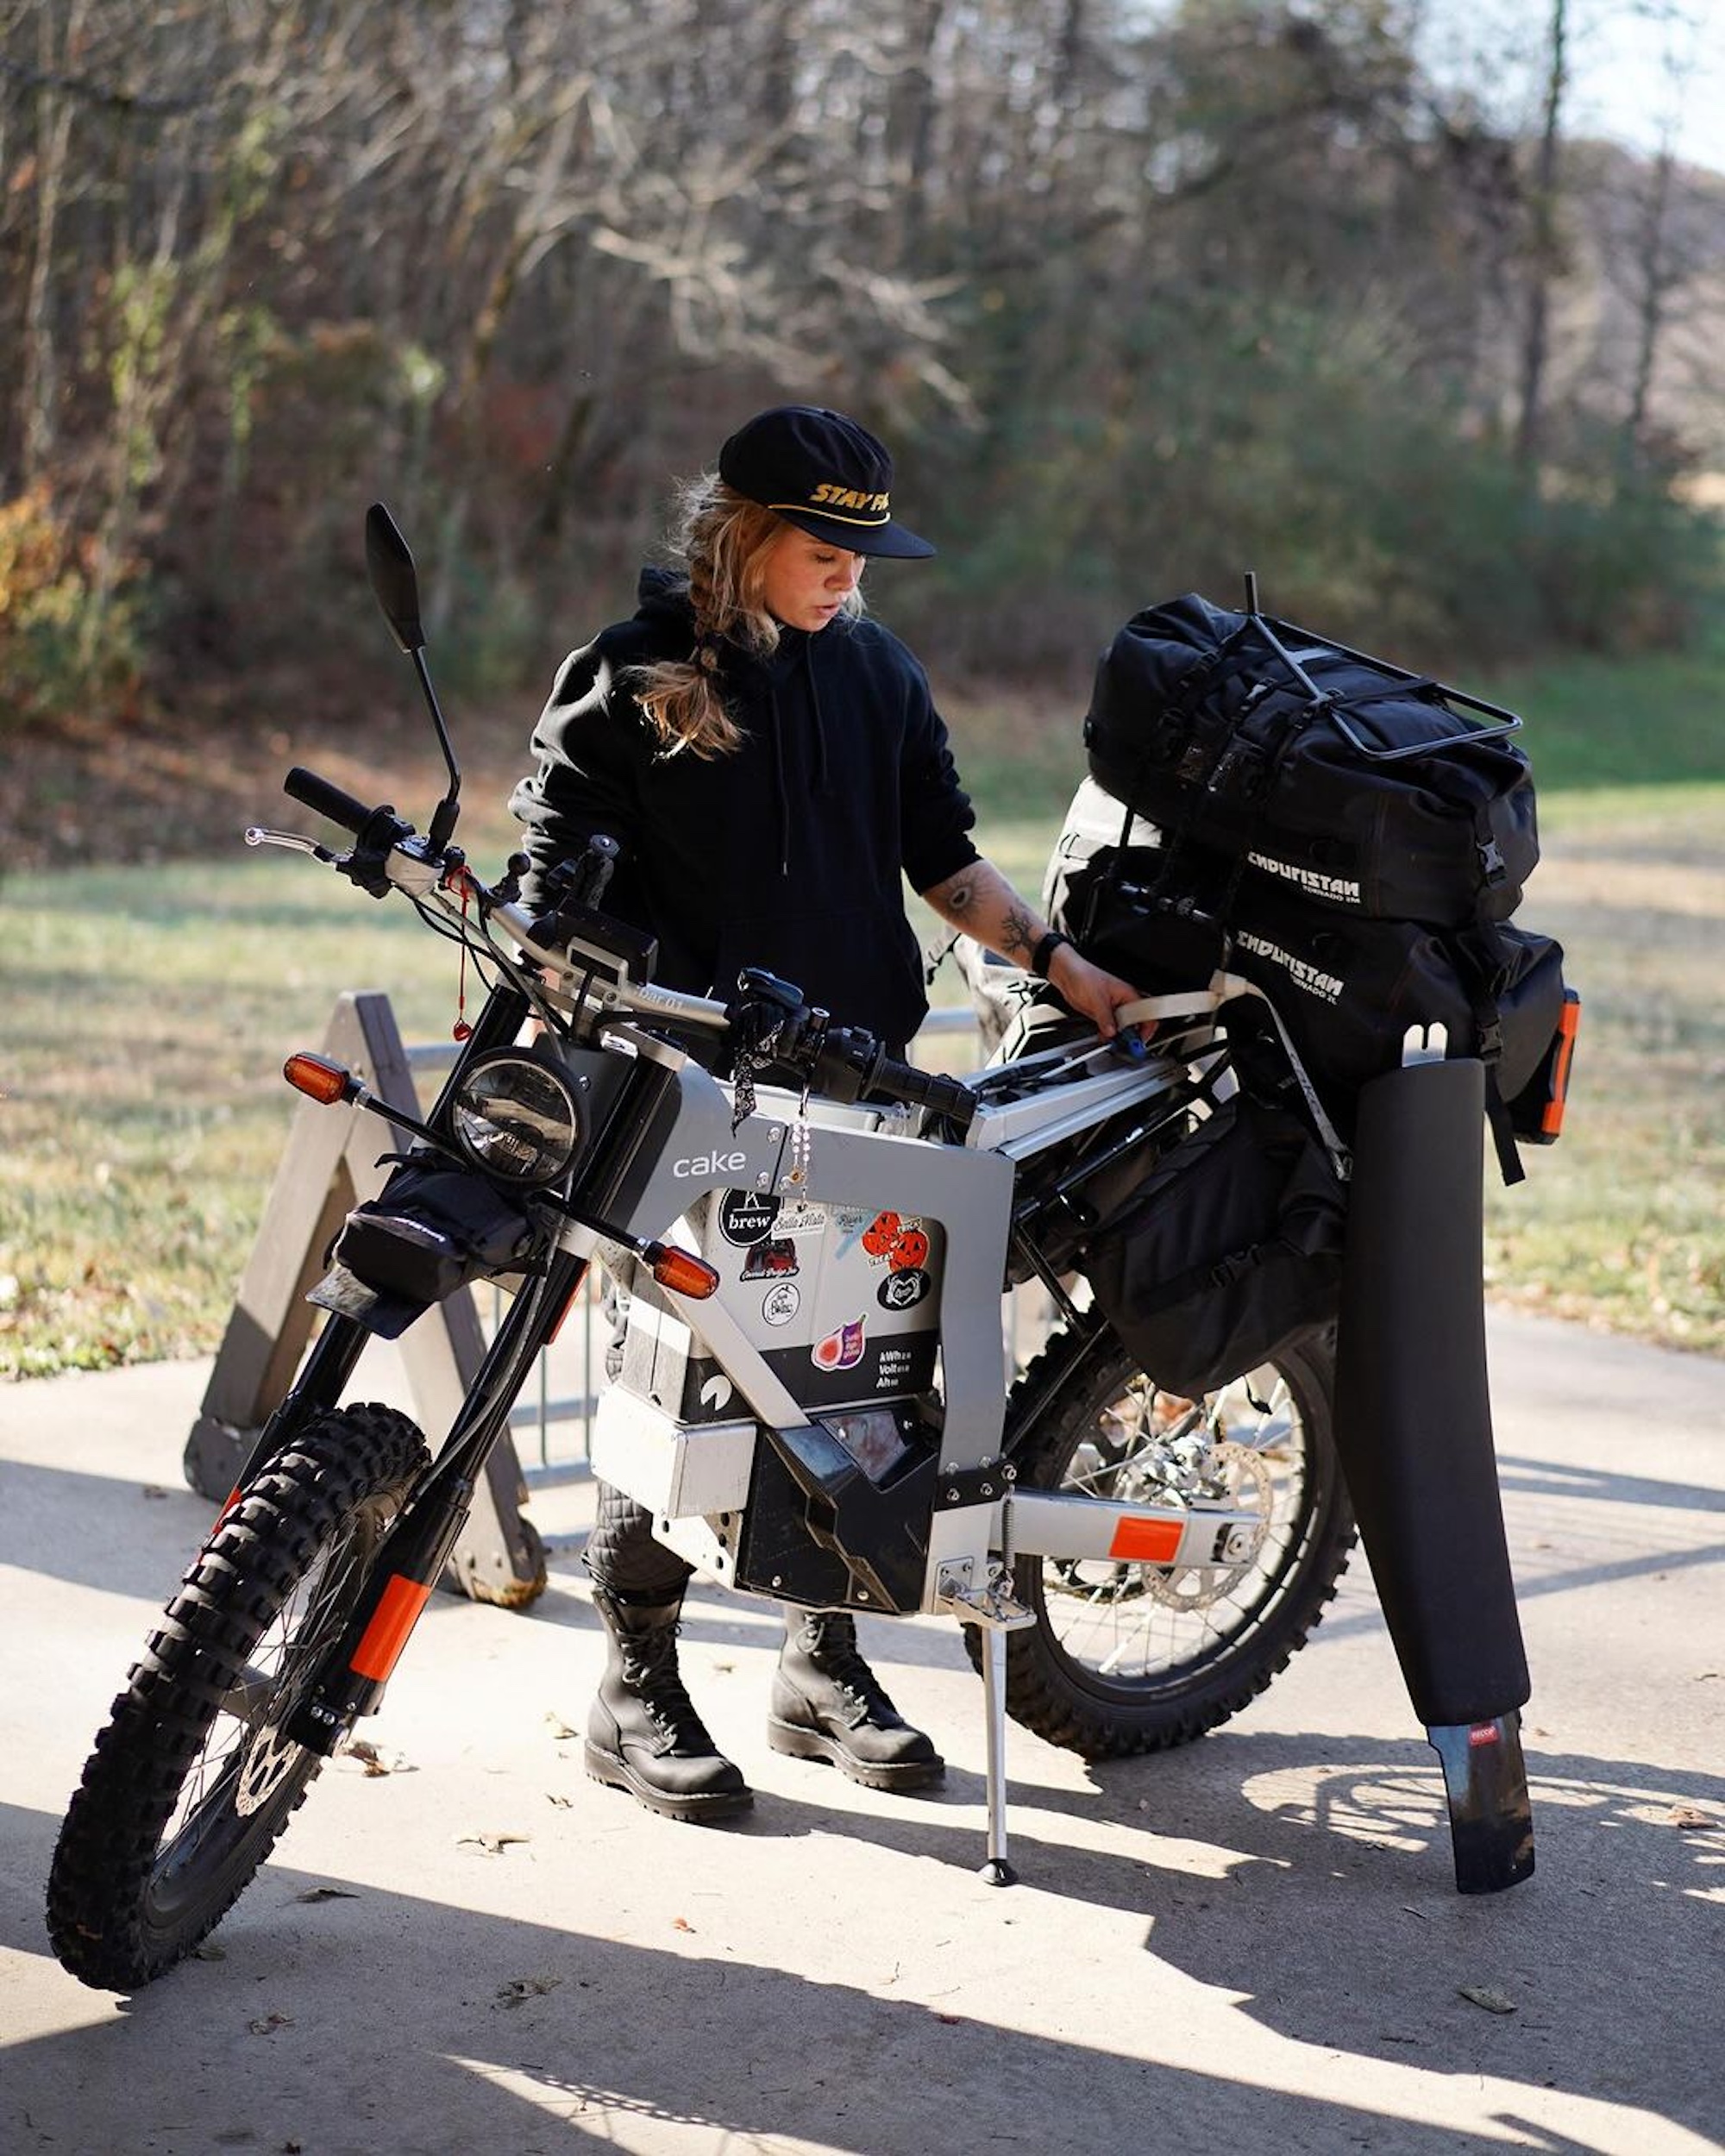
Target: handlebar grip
{"type": "Point", "coordinates": [947, 1097]}
{"type": "Point", "coordinates": [327, 798]}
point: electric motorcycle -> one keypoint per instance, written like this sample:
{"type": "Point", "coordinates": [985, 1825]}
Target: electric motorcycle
{"type": "Point", "coordinates": [815, 1398]}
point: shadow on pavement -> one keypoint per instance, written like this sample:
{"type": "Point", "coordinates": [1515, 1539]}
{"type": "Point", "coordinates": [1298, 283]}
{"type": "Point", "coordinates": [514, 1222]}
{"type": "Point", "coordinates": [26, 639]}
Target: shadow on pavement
{"type": "Point", "coordinates": [416, 2027]}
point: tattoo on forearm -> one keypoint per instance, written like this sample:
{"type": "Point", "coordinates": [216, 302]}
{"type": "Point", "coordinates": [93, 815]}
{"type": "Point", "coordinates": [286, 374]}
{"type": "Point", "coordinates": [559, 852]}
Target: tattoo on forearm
{"type": "Point", "coordinates": [1015, 931]}
{"type": "Point", "coordinates": [958, 894]}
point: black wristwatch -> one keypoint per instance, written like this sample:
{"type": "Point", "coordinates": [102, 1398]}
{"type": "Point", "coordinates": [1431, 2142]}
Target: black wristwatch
{"type": "Point", "coordinates": [1045, 951]}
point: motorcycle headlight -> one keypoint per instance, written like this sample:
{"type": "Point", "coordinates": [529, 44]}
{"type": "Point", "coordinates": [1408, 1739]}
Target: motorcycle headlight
{"type": "Point", "coordinates": [515, 1116]}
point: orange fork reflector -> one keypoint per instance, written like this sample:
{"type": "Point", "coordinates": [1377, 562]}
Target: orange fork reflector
{"type": "Point", "coordinates": [1147, 1541]}
{"type": "Point", "coordinates": [394, 1618]}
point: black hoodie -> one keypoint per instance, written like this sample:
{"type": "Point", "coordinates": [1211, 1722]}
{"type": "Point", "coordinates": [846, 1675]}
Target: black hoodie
{"type": "Point", "coordinates": [786, 852]}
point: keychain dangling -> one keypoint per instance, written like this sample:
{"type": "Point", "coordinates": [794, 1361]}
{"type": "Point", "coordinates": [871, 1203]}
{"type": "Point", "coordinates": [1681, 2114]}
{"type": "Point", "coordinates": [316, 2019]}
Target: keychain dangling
{"type": "Point", "coordinates": [802, 1139]}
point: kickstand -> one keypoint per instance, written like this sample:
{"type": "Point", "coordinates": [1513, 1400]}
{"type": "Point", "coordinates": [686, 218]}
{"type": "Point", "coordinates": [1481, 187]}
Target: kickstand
{"type": "Point", "coordinates": [994, 1611]}
{"type": "Point", "coordinates": [996, 1868]}
{"type": "Point", "coordinates": [1491, 1820]}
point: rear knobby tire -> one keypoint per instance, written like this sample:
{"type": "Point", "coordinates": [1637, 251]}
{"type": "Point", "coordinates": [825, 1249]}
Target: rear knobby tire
{"type": "Point", "coordinates": [192, 1781]}
{"type": "Point", "coordinates": [1127, 1658]}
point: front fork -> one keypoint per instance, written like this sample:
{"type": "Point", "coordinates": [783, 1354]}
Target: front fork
{"type": "Point", "coordinates": [350, 1677]}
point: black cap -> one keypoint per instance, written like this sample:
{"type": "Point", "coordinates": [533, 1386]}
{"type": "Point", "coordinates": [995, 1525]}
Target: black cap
{"type": "Point", "coordinates": [822, 473]}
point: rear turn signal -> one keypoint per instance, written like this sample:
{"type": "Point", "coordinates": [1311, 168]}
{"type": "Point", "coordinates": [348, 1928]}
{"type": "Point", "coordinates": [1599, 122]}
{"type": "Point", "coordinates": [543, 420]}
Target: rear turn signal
{"type": "Point", "coordinates": [681, 1271]}
{"type": "Point", "coordinates": [1569, 1024]}
{"type": "Point", "coordinates": [318, 1078]}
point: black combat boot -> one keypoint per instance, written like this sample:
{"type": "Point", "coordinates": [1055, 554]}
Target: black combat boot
{"type": "Point", "coordinates": [643, 1734]}
{"type": "Point", "coordinates": [828, 1704]}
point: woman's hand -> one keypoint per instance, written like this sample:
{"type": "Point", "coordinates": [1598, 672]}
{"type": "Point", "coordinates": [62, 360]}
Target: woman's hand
{"type": "Point", "coordinates": [1093, 994]}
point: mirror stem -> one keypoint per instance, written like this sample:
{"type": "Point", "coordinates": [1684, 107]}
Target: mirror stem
{"type": "Point", "coordinates": [443, 819]}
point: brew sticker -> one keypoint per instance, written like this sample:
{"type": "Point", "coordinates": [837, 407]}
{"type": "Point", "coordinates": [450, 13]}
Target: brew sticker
{"type": "Point", "coordinates": [746, 1217]}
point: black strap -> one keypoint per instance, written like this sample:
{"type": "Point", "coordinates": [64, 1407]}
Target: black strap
{"type": "Point", "coordinates": [1044, 949]}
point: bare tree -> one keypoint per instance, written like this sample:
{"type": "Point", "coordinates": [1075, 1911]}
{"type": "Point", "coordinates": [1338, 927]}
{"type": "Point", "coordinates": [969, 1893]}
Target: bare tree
{"type": "Point", "coordinates": [1545, 256]}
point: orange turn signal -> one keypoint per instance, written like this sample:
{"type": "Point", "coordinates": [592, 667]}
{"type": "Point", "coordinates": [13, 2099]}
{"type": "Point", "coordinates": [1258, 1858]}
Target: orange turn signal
{"type": "Point", "coordinates": [681, 1271]}
{"type": "Point", "coordinates": [1569, 1024]}
{"type": "Point", "coordinates": [317, 1078]}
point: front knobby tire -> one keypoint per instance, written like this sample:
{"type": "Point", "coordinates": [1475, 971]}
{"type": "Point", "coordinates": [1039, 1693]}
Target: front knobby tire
{"type": "Point", "coordinates": [193, 1779]}
{"type": "Point", "coordinates": [1127, 1658]}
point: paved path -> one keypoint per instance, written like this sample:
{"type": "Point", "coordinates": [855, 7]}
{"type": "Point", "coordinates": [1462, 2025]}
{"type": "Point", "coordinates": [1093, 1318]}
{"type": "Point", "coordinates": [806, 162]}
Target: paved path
{"type": "Point", "coordinates": [1251, 1944]}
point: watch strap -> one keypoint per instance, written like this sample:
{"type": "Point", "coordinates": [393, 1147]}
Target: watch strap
{"type": "Point", "coordinates": [1045, 948]}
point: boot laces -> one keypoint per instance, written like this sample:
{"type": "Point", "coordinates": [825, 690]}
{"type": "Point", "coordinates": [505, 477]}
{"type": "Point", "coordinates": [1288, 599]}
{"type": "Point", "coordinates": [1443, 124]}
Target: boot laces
{"type": "Point", "coordinates": [831, 1644]}
{"type": "Point", "coordinates": [651, 1676]}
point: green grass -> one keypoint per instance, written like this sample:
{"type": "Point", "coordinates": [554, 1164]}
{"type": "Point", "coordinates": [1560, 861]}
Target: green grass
{"type": "Point", "coordinates": [149, 1010]}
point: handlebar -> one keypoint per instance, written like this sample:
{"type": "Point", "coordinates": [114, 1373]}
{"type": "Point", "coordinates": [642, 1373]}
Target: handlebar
{"type": "Point", "coordinates": [851, 1062]}
{"type": "Point", "coordinates": [327, 798]}
{"type": "Point", "coordinates": [843, 1061]}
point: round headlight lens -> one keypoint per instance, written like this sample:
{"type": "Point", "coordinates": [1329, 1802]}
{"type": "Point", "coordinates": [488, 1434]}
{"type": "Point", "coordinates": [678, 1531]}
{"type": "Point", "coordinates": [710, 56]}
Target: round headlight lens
{"type": "Point", "coordinates": [517, 1116]}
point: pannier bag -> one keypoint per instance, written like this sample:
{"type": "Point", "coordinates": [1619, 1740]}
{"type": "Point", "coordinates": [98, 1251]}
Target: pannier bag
{"type": "Point", "coordinates": [1346, 990]}
{"type": "Point", "coordinates": [1228, 1250]}
{"type": "Point", "coordinates": [1339, 777]}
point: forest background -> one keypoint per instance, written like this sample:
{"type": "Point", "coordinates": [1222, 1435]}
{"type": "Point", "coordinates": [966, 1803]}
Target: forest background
{"type": "Point", "coordinates": [1345, 292]}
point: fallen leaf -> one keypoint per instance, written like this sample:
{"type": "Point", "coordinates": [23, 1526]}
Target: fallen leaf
{"type": "Point", "coordinates": [1482, 1995]}
{"type": "Point", "coordinates": [269, 2023]}
{"type": "Point", "coordinates": [493, 1845]}
{"type": "Point", "coordinates": [371, 1759]}
{"type": "Point", "coordinates": [681, 1924]}
{"type": "Point", "coordinates": [557, 1726]}
{"type": "Point", "coordinates": [562, 1803]}
{"type": "Point", "coordinates": [328, 1894]}
{"type": "Point", "coordinates": [207, 1953]}
{"type": "Point", "coordinates": [1687, 1815]}
{"type": "Point", "coordinates": [951, 2021]}
{"type": "Point", "coordinates": [520, 1989]}
{"type": "Point", "coordinates": [152, 1490]}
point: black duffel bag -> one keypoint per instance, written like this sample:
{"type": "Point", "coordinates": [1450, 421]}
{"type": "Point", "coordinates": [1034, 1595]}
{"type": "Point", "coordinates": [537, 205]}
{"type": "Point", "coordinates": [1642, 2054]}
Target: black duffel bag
{"type": "Point", "coordinates": [1345, 988]}
{"type": "Point", "coordinates": [1341, 777]}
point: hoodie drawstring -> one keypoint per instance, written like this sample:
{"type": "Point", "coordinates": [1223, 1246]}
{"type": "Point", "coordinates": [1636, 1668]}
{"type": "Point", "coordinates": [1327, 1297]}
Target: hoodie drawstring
{"type": "Point", "coordinates": [818, 782]}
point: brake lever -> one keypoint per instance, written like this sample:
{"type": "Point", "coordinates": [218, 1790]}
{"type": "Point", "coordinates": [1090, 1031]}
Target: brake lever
{"type": "Point", "coordinates": [295, 842]}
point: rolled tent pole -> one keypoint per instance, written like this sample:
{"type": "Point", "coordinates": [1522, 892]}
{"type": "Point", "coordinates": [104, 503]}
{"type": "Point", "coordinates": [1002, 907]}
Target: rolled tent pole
{"type": "Point", "coordinates": [1414, 1430]}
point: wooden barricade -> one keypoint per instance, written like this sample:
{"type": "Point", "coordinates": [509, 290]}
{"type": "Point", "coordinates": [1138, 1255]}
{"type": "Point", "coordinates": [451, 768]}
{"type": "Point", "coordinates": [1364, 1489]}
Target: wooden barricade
{"type": "Point", "coordinates": [329, 1165]}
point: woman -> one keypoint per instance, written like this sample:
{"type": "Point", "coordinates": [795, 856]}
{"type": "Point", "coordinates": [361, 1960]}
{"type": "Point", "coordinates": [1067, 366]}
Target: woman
{"type": "Point", "coordinates": [772, 764]}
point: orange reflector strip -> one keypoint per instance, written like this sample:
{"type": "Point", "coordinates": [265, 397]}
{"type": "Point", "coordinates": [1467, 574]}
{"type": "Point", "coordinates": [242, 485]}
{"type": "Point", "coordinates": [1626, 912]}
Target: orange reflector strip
{"type": "Point", "coordinates": [1569, 1024]}
{"type": "Point", "coordinates": [1147, 1541]}
{"type": "Point", "coordinates": [386, 1636]}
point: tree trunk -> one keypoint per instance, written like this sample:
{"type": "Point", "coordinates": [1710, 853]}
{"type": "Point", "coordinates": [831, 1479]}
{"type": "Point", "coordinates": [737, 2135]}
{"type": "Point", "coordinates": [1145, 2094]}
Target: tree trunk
{"type": "Point", "coordinates": [1544, 262]}
{"type": "Point", "coordinates": [39, 371]}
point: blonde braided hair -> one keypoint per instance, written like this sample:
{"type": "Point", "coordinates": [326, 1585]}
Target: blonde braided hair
{"type": "Point", "coordinates": [725, 540]}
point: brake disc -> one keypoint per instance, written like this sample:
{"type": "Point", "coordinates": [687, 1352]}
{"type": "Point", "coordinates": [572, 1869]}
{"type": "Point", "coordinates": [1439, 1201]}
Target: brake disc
{"type": "Point", "coordinates": [1244, 1474]}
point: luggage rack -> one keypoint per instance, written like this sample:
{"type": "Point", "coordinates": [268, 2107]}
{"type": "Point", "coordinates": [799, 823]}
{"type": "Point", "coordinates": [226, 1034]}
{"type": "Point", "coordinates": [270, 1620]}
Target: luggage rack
{"type": "Point", "coordinates": [1398, 681]}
